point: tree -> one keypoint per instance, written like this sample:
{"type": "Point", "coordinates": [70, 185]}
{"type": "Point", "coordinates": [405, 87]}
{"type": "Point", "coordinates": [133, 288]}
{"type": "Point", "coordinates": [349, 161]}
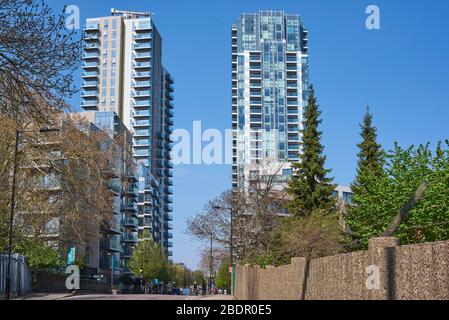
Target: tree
{"type": "Point", "coordinates": [405, 171]}
{"type": "Point", "coordinates": [149, 257]}
{"type": "Point", "coordinates": [38, 58]}
{"type": "Point", "coordinates": [62, 192]}
{"type": "Point", "coordinates": [39, 256]}
{"type": "Point", "coordinates": [311, 236]}
{"type": "Point", "coordinates": [309, 186]}
{"type": "Point", "coordinates": [198, 277]}
{"type": "Point", "coordinates": [254, 218]}
{"type": "Point", "coordinates": [223, 279]}
{"type": "Point", "coordinates": [371, 157]}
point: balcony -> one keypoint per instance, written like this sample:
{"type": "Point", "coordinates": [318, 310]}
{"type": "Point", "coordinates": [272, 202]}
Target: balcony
{"type": "Point", "coordinates": [141, 133]}
{"type": "Point", "coordinates": [142, 26]}
{"type": "Point", "coordinates": [91, 55]}
{"type": "Point", "coordinates": [92, 46]}
{"type": "Point", "coordinates": [127, 252]}
{"type": "Point", "coordinates": [92, 27]}
{"type": "Point", "coordinates": [144, 74]}
{"type": "Point", "coordinates": [140, 143]}
{"type": "Point", "coordinates": [88, 65]}
{"type": "Point", "coordinates": [105, 263]}
{"type": "Point", "coordinates": [137, 47]}
{"type": "Point", "coordinates": [141, 104]}
{"type": "Point", "coordinates": [142, 94]}
{"type": "Point", "coordinates": [90, 74]}
{"type": "Point", "coordinates": [130, 237]}
{"type": "Point", "coordinates": [131, 222]}
{"type": "Point", "coordinates": [141, 84]}
{"type": "Point", "coordinates": [89, 93]}
{"type": "Point", "coordinates": [130, 207]}
{"type": "Point", "coordinates": [141, 153]}
{"type": "Point", "coordinates": [87, 84]}
{"type": "Point", "coordinates": [140, 65]}
{"type": "Point", "coordinates": [168, 244]}
{"type": "Point", "coordinates": [92, 36]}
{"type": "Point", "coordinates": [141, 123]}
{"type": "Point", "coordinates": [142, 55]}
{"type": "Point", "coordinates": [142, 36]}
{"type": "Point", "coordinates": [141, 113]}
{"type": "Point", "coordinates": [89, 104]}
{"type": "Point", "coordinates": [111, 245]}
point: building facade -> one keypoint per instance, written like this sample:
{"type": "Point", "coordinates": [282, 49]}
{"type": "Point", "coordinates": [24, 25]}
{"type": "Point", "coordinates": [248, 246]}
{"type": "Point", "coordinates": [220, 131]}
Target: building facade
{"type": "Point", "coordinates": [123, 73]}
{"type": "Point", "coordinates": [269, 92]}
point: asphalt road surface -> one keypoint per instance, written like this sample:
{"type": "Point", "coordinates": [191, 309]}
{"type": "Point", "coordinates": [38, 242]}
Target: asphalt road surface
{"type": "Point", "coordinates": [144, 297]}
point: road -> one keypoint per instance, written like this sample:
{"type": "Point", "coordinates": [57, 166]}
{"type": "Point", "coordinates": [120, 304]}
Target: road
{"type": "Point", "coordinates": [142, 297]}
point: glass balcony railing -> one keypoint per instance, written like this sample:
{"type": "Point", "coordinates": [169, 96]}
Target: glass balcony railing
{"type": "Point", "coordinates": [86, 93]}
{"type": "Point", "coordinates": [89, 84]}
{"type": "Point", "coordinates": [92, 46]}
{"type": "Point", "coordinates": [130, 237]}
{"type": "Point", "coordinates": [142, 93]}
{"type": "Point", "coordinates": [142, 103]}
{"type": "Point", "coordinates": [90, 55]}
{"type": "Point", "coordinates": [91, 36]}
{"type": "Point", "coordinates": [92, 26]}
{"type": "Point", "coordinates": [141, 133]}
{"type": "Point", "coordinates": [92, 64]}
{"type": "Point", "coordinates": [142, 153]}
{"type": "Point", "coordinates": [141, 113]}
{"type": "Point", "coordinates": [133, 222]}
{"type": "Point", "coordinates": [142, 46]}
{"type": "Point", "coordinates": [144, 74]}
{"type": "Point", "coordinates": [142, 84]}
{"type": "Point", "coordinates": [142, 36]}
{"type": "Point", "coordinates": [89, 102]}
{"type": "Point", "coordinates": [143, 26]}
{"type": "Point", "coordinates": [90, 74]}
{"type": "Point", "coordinates": [141, 123]}
{"type": "Point", "coordinates": [141, 64]}
{"type": "Point", "coordinates": [142, 55]}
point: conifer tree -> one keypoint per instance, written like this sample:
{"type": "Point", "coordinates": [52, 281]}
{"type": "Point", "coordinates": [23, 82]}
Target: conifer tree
{"type": "Point", "coordinates": [371, 155]}
{"type": "Point", "coordinates": [309, 186]}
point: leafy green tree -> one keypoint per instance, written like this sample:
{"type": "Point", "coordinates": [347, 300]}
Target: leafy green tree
{"type": "Point", "coordinates": [198, 277]}
{"type": "Point", "coordinates": [310, 187]}
{"type": "Point", "coordinates": [223, 279]}
{"type": "Point", "coordinates": [405, 170]}
{"type": "Point", "coordinates": [39, 256]}
{"type": "Point", "coordinates": [149, 257]}
{"type": "Point", "coordinates": [311, 236]}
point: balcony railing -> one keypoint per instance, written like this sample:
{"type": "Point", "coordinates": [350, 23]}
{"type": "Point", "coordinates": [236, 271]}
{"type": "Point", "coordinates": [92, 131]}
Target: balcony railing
{"type": "Point", "coordinates": [145, 74]}
{"type": "Point", "coordinates": [89, 84]}
{"type": "Point", "coordinates": [130, 237]}
{"type": "Point", "coordinates": [142, 84]}
{"type": "Point", "coordinates": [90, 74]}
{"type": "Point", "coordinates": [141, 64]}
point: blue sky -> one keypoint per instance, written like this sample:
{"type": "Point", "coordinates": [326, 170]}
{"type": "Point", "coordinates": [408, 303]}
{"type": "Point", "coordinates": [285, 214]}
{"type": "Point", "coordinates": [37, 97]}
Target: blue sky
{"type": "Point", "coordinates": [402, 71]}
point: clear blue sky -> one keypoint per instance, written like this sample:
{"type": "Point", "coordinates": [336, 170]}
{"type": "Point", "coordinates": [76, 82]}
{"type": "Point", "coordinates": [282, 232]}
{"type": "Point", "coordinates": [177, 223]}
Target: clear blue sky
{"type": "Point", "coordinates": [402, 71]}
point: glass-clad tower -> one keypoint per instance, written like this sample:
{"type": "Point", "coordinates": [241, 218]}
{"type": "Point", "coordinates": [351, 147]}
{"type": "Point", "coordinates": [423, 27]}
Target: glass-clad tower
{"type": "Point", "coordinates": [269, 90]}
{"type": "Point", "coordinates": [123, 73]}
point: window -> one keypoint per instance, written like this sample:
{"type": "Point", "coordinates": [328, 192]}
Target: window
{"type": "Point", "coordinates": [287, 172]}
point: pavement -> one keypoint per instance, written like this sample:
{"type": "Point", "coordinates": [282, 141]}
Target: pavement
{"type": "Point", "coordinates": [141, 297]}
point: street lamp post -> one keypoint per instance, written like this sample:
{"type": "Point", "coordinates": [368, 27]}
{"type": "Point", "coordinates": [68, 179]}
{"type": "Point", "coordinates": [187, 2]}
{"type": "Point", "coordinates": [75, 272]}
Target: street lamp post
{"type": "Point", "coordinates": [231, 244]}
{"type": "Point", "coordinates": [13, 206]}
{"type": "Point", "coordinates": [210, 263]}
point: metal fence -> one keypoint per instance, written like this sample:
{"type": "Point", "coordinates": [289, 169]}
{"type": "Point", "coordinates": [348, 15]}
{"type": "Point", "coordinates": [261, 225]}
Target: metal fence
{"type": "Point", "coordinates": [20, 274]}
